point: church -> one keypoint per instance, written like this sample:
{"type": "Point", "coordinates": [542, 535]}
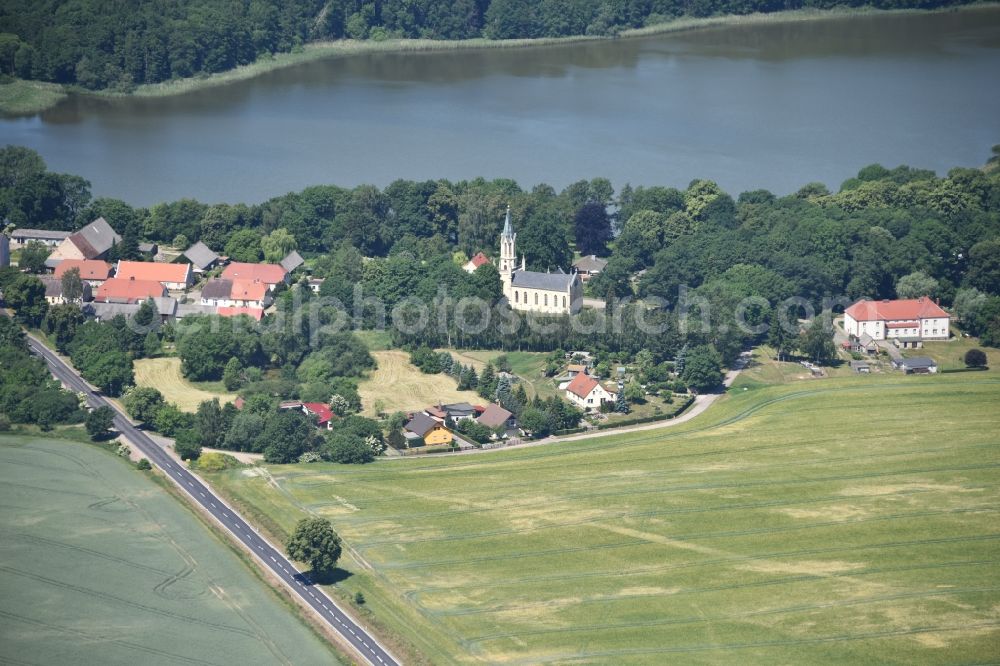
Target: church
{"type": "Point", "coordinates": [531, 291]}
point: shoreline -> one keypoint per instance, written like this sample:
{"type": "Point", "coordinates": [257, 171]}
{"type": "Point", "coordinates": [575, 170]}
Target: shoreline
{"type": "Point", "coordinates": [28, 98]}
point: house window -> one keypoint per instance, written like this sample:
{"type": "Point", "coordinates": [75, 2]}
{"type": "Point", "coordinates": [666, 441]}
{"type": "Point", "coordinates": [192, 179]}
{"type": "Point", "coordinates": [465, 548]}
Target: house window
{"type": "Point", "coordinates": [546, 299]}
{"type": "Point", "coordinates": [536, 298]}
{"type": "Point", "coordinates": [564, 301]}
{"type": "Point", "coordinates": [515, 296]}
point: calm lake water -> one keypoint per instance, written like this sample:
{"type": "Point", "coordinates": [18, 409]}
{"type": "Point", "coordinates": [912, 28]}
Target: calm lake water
{"type": "Point", "coordinates": [772, 106]}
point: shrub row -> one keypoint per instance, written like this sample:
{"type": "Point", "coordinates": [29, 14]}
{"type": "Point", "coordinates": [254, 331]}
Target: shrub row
{"type": "Point", "coordinates": [649, 419]}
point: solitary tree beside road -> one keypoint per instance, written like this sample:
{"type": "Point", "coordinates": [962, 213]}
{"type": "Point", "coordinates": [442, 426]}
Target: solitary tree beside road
{"type": "Point", "coordinates": [315, 542]}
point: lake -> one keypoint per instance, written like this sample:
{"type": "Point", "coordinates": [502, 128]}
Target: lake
{"type": "Point", "coordinates": [762, 105]}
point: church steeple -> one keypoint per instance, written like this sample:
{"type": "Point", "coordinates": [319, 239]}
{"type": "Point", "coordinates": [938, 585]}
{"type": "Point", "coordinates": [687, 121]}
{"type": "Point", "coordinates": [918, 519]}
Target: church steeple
{"type": "Point", "coordinates": [508, 248]}
{"type": "Point", "coordinates": [508, 230]}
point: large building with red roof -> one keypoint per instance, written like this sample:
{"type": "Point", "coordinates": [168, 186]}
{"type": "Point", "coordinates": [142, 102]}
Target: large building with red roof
{"type": "Point", "coordinates": [117, 290]}
{"type": "Point", "coordinates": [176, 277]}
{"type": "Point", "coordinates": [269, 274]}
{"type": "Point", "coordinates": [905, 321]}
{"type": "Point", "coordinates": [92, 271]}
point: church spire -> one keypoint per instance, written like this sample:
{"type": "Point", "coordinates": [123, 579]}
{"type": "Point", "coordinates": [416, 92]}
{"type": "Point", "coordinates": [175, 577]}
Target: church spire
{"type": "Point", "coordinates": [508, 230]}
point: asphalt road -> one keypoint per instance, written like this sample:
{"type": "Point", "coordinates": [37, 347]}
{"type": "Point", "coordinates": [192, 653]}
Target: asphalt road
{"type": "Point", "coordinates": [272, 558]}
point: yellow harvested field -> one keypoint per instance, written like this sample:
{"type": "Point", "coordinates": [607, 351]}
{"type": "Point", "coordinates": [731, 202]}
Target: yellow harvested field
{"type": "Point", "coordinates": [402, 387]}
{"type": "Point", "coordinates": [164, 374]}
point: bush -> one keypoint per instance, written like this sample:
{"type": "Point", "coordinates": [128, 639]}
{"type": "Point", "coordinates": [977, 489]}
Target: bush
{"type": "Point", "coordinates": [143, 465]}
{"type": "Point", "coordinates": [213, 461]}
{"type": "Point", "coordinates": [975, 358]}
{"type": "Point", "coordinates": [99, 423]}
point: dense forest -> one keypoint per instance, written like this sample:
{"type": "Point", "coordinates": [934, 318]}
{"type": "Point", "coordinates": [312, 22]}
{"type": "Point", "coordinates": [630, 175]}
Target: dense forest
{"type": "Point", "coordinates": [119, 45]}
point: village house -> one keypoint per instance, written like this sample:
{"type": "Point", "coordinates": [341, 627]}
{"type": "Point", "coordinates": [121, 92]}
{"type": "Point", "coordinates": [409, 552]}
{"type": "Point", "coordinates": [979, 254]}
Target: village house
{"type": "Point", "coordinates": [175, 277]}
{"type": "Point", "coordinates": [54, 291]}
{"type": "Point", "coordinates": [254, 313]}
{"type": "Point", "coordinates": [200, 257]}
{"type": "Point", "coordinates": [165, 306]}
{"type": "Point", "coordinates": [494, 416]}
{"type": "Point", "coordinates": [478, 260]}
{"type": "Point", "coordinates": [916, 365]}
{"type": "Point", "coordinates": [21, 237]}
{"type": "Point", "coordinates": [588, 393]}
{"type": "Point", "coordinates": [532, 291]}
{"type": "Point", "coordinates": [91, 242]}
{"type": "Point", "coordinates": [269, 274]}
{"type": "Point", "coordinates": [117, 290]}
{"type": "Point", "coordinates": [315, 284]}
{"type": "Point", "coordinates": [906, 322]}
{"type": "Point", "coordinates": [589, 266]}
{"type": "Point", "coordinates": [456, 411]}
{"type": "Point", "coordinates": [221, 292]}
{"type": "Point", "coordinates": [92, 271]}
{"type": "Point", "coordinates": [422, 427]}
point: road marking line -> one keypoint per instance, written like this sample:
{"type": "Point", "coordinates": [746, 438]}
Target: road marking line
{"type": "Point", "coordinates": [274, 560]}
{"type": "Point", "coordinates": [201, 493]}
{"type": "Point", "coordinates": [190, 484]}
{"type": "Point", "coordinates": [213, 504]}
{"type": "Point", "coordinates": [225, 514]}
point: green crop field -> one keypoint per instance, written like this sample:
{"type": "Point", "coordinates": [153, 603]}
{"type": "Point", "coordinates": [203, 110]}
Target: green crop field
{"type": "Point", "coordinates": [843, 520]}
{"type": "Point", "coordinates": [99, 565]}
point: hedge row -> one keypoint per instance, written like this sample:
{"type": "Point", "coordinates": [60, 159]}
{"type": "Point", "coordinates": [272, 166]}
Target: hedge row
{"type": "Point", "coordinates": [964, 370]}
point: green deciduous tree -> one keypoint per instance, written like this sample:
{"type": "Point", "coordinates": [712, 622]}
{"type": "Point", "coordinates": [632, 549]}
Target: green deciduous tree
{"type": "Point", "coordinates": [33, 256]}
{"type": "Point", "coordinates": [315, 542]}
{"type": "Point", "coordinates": [99, 423]}
{"type": "Point", "coordinates": [277, 245]}
{"type": "Point", "coordinates": [816, 342]}
{"type": "Point", "coordinates": [702, 368]}
{"type": "Point", "coordinates": [142, 403]}
{"type": "Point", "coordinates": [916, 285]}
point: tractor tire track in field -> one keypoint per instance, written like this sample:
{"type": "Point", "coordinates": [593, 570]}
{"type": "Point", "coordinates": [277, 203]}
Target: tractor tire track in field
{"type": "Point", "coordinates": [163, 589]}
{"type": "Point", "coordinates": [602, 447]}
{"type": "Point", "coordinates": [730, 587]}
{"type": "Point", "coordinates": [551, 524]}
{"type": "Point", "coordinates": [86, 551]}
{"type": "Point", "coordinates": [601, 444]}
{"type": "Point", "coordinates": [730, 559]}
{"type": "Point", "coordinates": [503, 490]}
{"type": "Point", "coordinates": [125, 602]}
{"type": "Point", "coordinates": [88, 637]}
{"type": "Point", "coordinates": [791, 642]}
{"type": "Point", "coordinates": [477, 641]}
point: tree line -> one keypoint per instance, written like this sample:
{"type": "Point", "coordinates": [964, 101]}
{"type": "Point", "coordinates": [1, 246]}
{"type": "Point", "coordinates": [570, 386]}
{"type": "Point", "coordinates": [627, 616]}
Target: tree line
{"type": "Point", "coordinates": [117, 46]}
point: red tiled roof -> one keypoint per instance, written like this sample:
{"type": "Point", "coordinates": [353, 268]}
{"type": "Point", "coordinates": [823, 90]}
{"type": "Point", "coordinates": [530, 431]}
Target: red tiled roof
{"type": "Point", "coordinates": [129, 290]}
{"type": "Point", "coordinates": [582, 385]}
{"type": "Point", "coordinates": [267, 273]}
{"type": "Point", "coordinates": [479, 260]}
{"type": "Point", "coordinates": [145, 270]}
{"type": "Point", "coordinates": [90, 269]}
{"type": "Point", "coordinates": [322, 412]}
{"type": "Point", "coordinates": [256, 313]}
{"type": "Point", "coordinates": [911, 308]}
{"type": "Point", "coordinates": [247, 290]}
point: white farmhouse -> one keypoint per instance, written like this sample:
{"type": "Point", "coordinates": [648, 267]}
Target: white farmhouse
{"type": "Point", "coordinates": [907, 322]}
{"type": "Point", "coordinates": [586, 392]}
